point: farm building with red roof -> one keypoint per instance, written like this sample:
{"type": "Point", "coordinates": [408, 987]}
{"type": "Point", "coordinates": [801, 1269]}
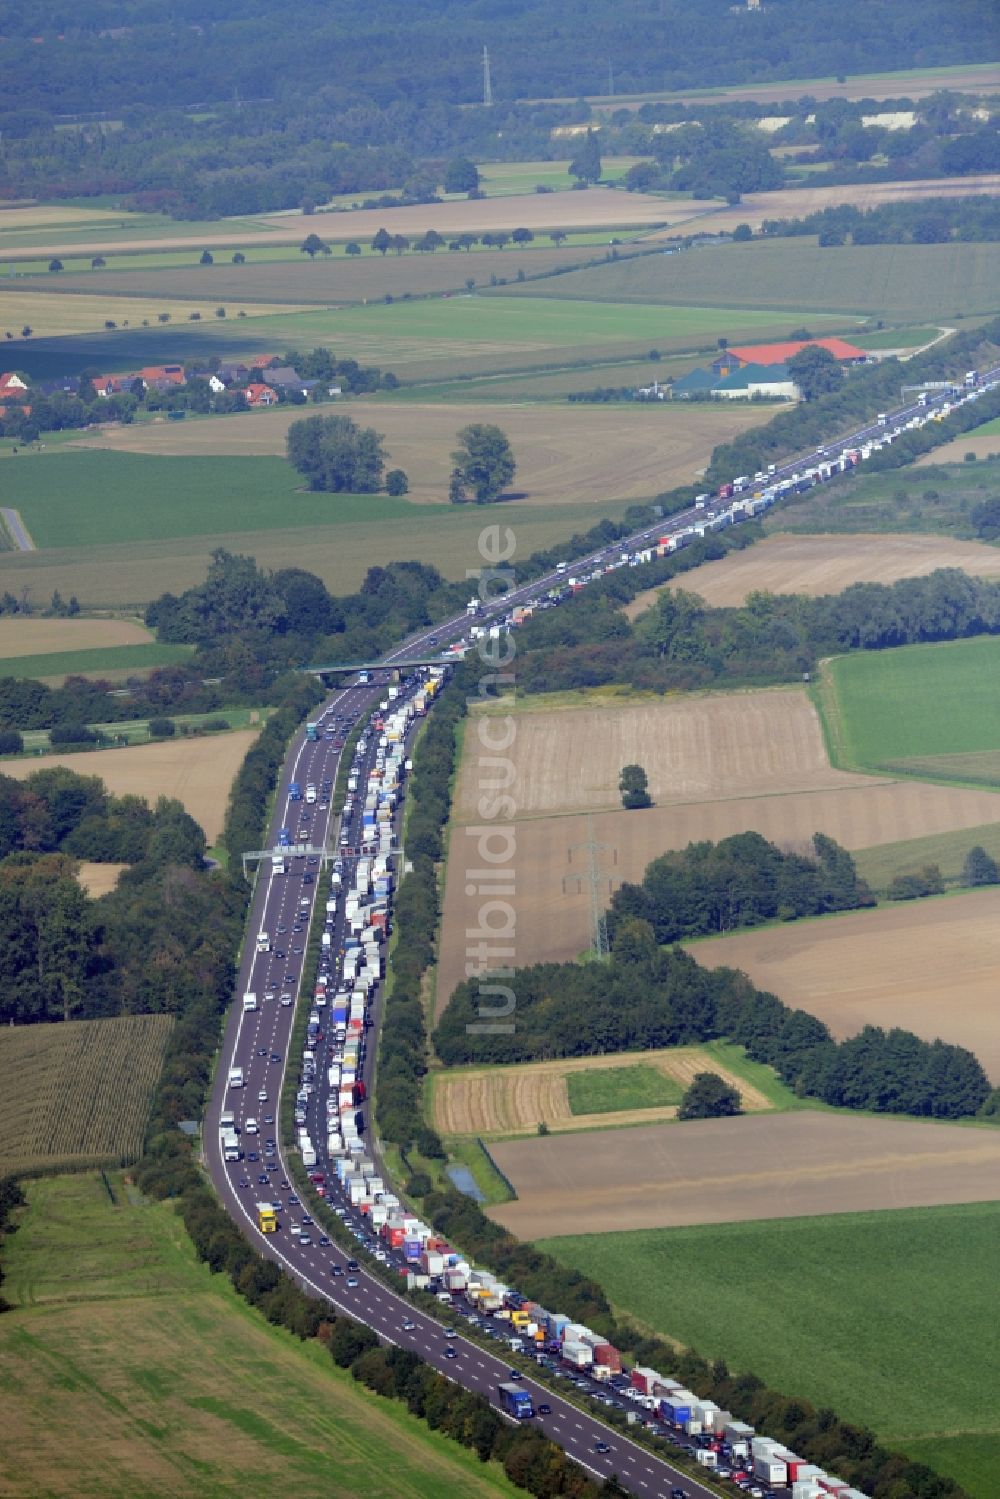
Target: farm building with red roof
{"type": "Point", "coordinates": [733, 359]}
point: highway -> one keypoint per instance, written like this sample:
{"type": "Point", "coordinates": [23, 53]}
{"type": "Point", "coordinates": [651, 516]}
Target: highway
{"type": "Point", "coordinates": [258, 1041]}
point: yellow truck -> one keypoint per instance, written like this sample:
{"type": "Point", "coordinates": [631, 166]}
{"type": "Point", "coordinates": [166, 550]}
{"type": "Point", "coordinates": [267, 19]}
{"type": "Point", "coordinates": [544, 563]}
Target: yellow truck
{"type": "Point", "coordinates": [267, 1217]}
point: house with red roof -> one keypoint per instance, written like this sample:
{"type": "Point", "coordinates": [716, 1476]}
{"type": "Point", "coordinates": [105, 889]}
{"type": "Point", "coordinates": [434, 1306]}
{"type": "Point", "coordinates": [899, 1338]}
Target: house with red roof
{"type": "Point", "coordinates": [161, 376]}
{"type": "Point", "coordinates": [257, 395]}
{"type": "Point", "coordinates": [731, 360]}
{"type": "Point", "coordinates": [11, 385]}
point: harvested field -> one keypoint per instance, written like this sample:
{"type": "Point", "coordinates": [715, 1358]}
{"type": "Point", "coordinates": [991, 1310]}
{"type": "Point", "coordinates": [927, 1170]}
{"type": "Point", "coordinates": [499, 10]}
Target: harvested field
{"type": "Point", "coordinates": [793, 1165]}
{"type": "Point", "coordinates": [695, 747]}
{"type": "Point", "coordinates": [569, 455]}
{"type": "Point", "coordinates": [932, 967]}
{"type": "Point", "coordinates": [40, 637]}
{"type": "Point", "coordinates": [976, 78]}
{"type": "Point", "coordinates": [798, 202]}
{"type": "Point", "coordinates": [553, 911]}
{"type": "Point", "coordinates": [718, 764]}
{"type": "Point", "coordinates": [514, 1100]}
{"type": "Point", "coordinates": [99, 879]}
{"type": "Point", "coordinates": [817, 565]}
{"type": "Point", "coordinates": [198, 772]}
{"type": "Point", "coordinates": [78, 1092]}
{"type": "Point", "coordinates": [985, 446]}
{"type": "Point", "coordinates": [50, 315]}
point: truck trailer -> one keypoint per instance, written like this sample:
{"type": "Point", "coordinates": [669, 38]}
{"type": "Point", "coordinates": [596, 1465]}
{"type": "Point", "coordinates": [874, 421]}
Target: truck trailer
{"type": "Point", "coordinates": [516, 1402]}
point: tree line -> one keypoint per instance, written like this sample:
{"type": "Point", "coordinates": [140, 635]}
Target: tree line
{"type": "Point", "coordinates": [650, 996]}
{"type": "Point", "coordinates": [926, 222]}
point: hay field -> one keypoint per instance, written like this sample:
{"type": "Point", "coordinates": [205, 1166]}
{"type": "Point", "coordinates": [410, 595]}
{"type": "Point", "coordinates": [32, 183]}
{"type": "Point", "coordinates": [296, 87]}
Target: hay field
{"type": "Point", "coordinates": [99, 879]}
{"type": "Point", "coordinates": [795, 276]}
{"type": "Point", "coordinates": [570, 455]}
{"type": "Point", "coordinates": [793, 1165]}
{"type": "Point", "coordinates": [50, 315]}
{"type": "Point", "coordinates": [984, 446]}
{"type": "Point", "coordinates": [78, 1092]}
{"type": "Point", "coordinates": [911, 83]}
{"type": "Point", "coordinates": [198, 772]}
{"type": "Point", "coordinates": [816, 565]}
{"type": "Point", "coordinates": [41, 637]}
{"type": "Point", "coordinates": [932, 967]}
{"type": "Point", "coordinates": [514, 1100]}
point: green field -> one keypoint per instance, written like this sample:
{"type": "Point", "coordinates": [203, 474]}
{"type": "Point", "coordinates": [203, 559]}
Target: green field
{"type": "Point", "coordinates": [127, 1368]}
{"type": "Point", "coordinates": [78, 1093]}
{"type": "Point", "coordinates": [795, 275]}
{"type": "Point", "coordinates": [937, 498]}
{"type": "Point", "coordinates": [609, 1090]}
{"type": "Point", "coordinates": [896, 338]}
{"type": "Point", "coordinates": [927, 709]}
{"type": "Point", "coordinates": [880, 865]}
{"type": "Point", "coordinates": [973, 1461]}
{"type": "Point", "coordinates": [95, 663]}
{"type": "Point", "coordinates": [883, 1316]}
{"type": "Point", "coordinates": [97, 542]}
{"type": "Point", "coordinates": [988, 429]}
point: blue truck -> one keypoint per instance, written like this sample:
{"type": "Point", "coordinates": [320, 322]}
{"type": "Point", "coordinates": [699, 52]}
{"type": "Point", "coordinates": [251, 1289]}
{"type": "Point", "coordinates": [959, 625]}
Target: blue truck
{"type": "Point", "coordinates": [295, 792]}
{"type": "Point", "coordinates": [516, 1402]}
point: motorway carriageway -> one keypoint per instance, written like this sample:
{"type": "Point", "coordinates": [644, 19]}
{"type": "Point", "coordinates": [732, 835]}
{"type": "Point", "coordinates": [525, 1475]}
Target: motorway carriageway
{"type": "Point", "coordinates": [275, 902]}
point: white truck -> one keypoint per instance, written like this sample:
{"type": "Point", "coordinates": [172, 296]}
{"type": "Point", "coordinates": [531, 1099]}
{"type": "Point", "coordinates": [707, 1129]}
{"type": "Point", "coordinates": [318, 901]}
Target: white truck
{"type": "Point", "coordinates": [235, 1077]}
{"type": "Point", "coordinates": [249, 1002]}
{"type": "Point", "coordinates": [263, 941]}
{"type": "Point", "coordinates": [231, 1146]}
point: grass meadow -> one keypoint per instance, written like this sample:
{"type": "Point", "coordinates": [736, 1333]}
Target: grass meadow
{"type": "Point", "coordinates": [849, 1311]}
{"type": "Point", "coordinates": [78, 1093]}
{"type": "Point", "coordinates": [613, 1089]}
{"type": "Point", "coordinates": [880, 865]}
{"type": "Point", "coordinates": [795, 275]}
{"type": "Point", "coordinates": [927, 709]}
{"type": "Point", "coordinates": [94, 663]}
{"type": "Point", "coordinates": [166, 1383]}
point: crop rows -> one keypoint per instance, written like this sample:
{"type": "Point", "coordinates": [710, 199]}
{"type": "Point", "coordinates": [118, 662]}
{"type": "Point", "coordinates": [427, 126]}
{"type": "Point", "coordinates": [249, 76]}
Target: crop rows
{"type": "Point", "coordinates": [78, 1093]}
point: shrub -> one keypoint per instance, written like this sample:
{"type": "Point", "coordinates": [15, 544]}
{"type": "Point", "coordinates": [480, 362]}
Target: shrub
{"type": "Point", "coordinates": [162, 728]}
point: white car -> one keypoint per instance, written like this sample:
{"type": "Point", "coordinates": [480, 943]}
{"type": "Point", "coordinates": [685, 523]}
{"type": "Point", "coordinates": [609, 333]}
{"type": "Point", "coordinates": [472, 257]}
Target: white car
{"type": "Point", "coordinates": [251, 1127]}
{"type": "Point", "coordinates": [262, 1096]}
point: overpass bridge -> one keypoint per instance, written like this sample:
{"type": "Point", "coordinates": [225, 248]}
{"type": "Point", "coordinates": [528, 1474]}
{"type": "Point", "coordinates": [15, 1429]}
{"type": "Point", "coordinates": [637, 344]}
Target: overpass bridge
{"type": "Point", "coordinates": [350, 667]}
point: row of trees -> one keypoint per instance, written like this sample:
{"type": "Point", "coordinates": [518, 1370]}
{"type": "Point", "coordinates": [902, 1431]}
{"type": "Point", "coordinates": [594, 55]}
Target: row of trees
{"type": "Point", "coordinates": [337, 456]}
{"type": "Point", "coordinates": [924, 222]}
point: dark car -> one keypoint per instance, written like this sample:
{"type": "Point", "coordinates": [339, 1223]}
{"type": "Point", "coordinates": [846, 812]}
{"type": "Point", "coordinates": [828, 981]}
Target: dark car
{"type": "Point", "coordinates": [244, 1184]}
{"type": "Point", "coordinates": [324, 1241]}
{"type": "Point", "coordinates": [352, 1264]}
{"type": "Point", "coordinates": [263, 1180]}
{"type": "Point", "coordinates": [545, 1410]}
{"type": "Point", "coordinates": [336, 1269]}
{"type": "Point", "coordinates": [450, 1353]}
{"type": "Point", "coordinates": [279, 952]}
{"type": "Point", "coordinates": [601, 1447]}
{"type": "Point", "coordinates": [253, 1155]}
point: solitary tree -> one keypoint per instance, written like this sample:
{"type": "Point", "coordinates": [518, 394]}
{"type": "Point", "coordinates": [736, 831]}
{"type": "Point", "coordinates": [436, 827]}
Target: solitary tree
{"type": "Point", "coordinates": [396, 482]}
{"type": "Point", "coordinates": [634, 787]}
{"type": "Point", "coordinates": [522, 236]}
{"type": "Point", "coordinates": [98, 263]}
{"type": "Point", "coordinates": [461, 176]}
{"type": "Point", "coordinates": [381, 240]}
{"type": "Point", "coordinates": [979, 868]}
{"type": "Point", "coordinates": [239, 258]}
{"type": "Point", "coordinates": [558, 237]}
{"type": "Point", "coordinates": [55, 265]}
{"type": "Point", "coordinates": [311, 246]}
{"type": "Point", "coordinates": [484, 465]}
{"type": "Point", "coordinates": [586, 163]}
{"type": "Point", "coordinates": [352, 248]}
{"type": "Point", "coordinates": [207, 258]}
{"type": "Point", "coordinates": [815, 372]}
{"type": "Point", "coordinates": [337, 455]}
{"type": "Point", "coordinates": [709, 1098]}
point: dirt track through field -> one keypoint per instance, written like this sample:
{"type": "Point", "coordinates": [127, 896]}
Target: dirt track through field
{"type": "Point", "coordinates": [198, 772]}
{"type": "Point", "coordinates": [514, 1100]}
{"type": "Point", "coordinates": [732, 1170]}
{"type": "Point", "coordinates": [817, 565]}
{"type": "Point", "coordinates": [564, 454]}
{"type": "Point", "coordinates": [932, 967]}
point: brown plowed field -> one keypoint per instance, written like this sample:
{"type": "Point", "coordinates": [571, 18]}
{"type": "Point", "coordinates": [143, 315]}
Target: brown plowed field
{"type": "Point", "coordinates": [718, 764]}
{"type": "Point", "coordinates": [932, 967]}
{"type": "Point", "coordinates": [955, 451]}
{"type": "Point", "coordinates": [731, 1170]}
{"type": "Point", "coordinates": [553, 911]}
{"type": "Point", "coordinates": [514, 1100]}
{"type": "Point", "coordinates": [198, 772]}
{"type": "Point", "coordinates": [564, 454]}
{"type": "Point", "coordinates": [40, 637]}
{"type": "Point", "coordinates": [99, 879]}
{"type": "Point", "coordinates": [816, 565]}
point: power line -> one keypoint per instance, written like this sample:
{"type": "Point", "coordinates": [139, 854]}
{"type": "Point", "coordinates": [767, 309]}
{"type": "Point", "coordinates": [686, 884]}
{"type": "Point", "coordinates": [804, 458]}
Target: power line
{"type": "Point", "coordinates": [594, 880]}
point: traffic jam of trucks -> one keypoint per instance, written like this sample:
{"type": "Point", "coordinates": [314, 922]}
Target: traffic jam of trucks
{"type": "Point", "coordinates": [331, 1098]}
